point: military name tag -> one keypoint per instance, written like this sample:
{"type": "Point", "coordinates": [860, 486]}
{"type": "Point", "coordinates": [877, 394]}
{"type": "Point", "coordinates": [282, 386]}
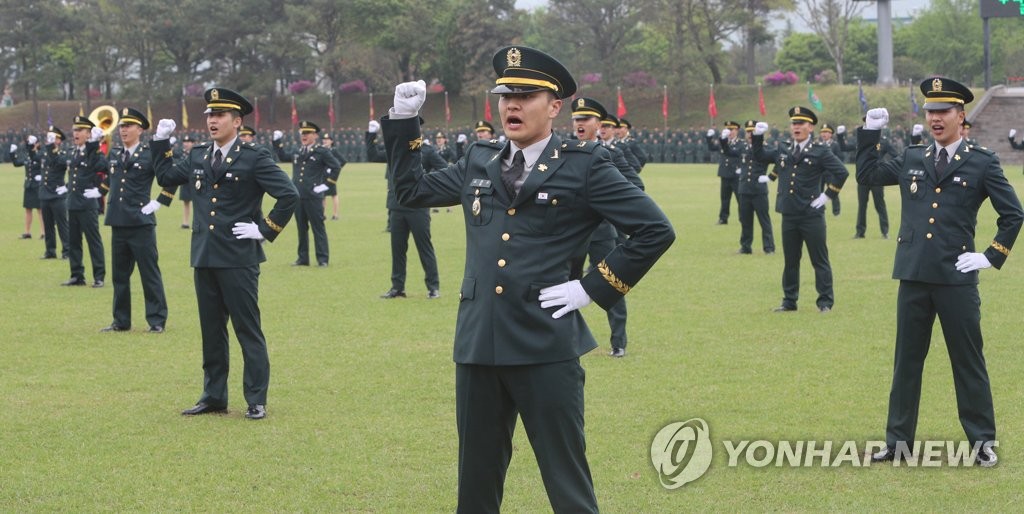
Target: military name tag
{"type": "Point", "coordinates": [480, 182]}
{"type": "Point", "coordinates": [915, 173]}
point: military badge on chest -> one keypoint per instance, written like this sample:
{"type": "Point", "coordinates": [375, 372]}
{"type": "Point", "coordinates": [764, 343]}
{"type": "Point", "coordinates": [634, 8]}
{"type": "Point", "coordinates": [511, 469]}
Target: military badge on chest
{"type": "Point", "coordinates": [199, 178]}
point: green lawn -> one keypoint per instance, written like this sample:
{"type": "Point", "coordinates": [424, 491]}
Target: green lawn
{"type": "Point", "coordinates": [361, 409]}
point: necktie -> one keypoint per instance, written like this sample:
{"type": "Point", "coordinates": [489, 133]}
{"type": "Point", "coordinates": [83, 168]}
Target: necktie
{"type": "Point", "coordinates": [216, 160]}
{"type": "Point", "coordinates": [796, 152]}
{"type": "Point", "coordinates": [509, 176]}
{"type": "Point", "coordinates": [124, 161]}
{"type": "Point", "coordinates": [940, 165]}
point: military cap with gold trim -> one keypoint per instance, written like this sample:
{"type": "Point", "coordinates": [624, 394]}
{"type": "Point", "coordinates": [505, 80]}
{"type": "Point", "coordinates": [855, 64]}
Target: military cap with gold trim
{"type": "Point", "coordinates": [609, 121]}
{"type": "Point", "coordinates": [732, 125]}
{"type": "Point", "coordinates": [246, 130]}
{"type": "Point", "coordinates": [967, 124]}
{"type": "Point", "coordinates": [308, 126]}
{"type": "Point", "coordinates": [803, 114]}
{"type": "Point", "coordinates": [623, 122]}
{"type": "Point", "coordinates": [483, 125]}
{"type": "Point", "coordinates": [588, 107]}
{"type": "Point", "coordinates": [825, 127]}
{"type": "Point", "coordinates": [133, 116]}
{"type": "Point", "coordinates": [219, 99]}
{"type": "Point", "coordinates": [188, 139]}
{"type": "Point", "coordinates": [526, 70]}
{"type": "Point", "coordinates": [749, 125]}
{"type": "Point", "coordinates": [57, 131]}
{"type": "Point", "coordinates": [81, 122]}
{"type": "Point", "coordinates": [440, 134]}
{"type": "Point", "coordinates": [942, 93]}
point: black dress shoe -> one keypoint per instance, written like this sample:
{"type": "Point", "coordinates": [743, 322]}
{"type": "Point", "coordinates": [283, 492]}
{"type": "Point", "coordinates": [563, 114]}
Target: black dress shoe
{"type": "Point", "coordinates": [858, 236]}
{"type": "Point", "coordinates": [256, 412]}
{"type": "Point", "coordinates": [393, 293]}
{"type": "Point", "coordinates": [156, 329]}
{"type": "Point", "coordinates": [885, 455]}
{"type": "Point", "coordinates": [49, 256]}
{"type": "Point", "coordinates": [26, 236]}
{"type": "Point", "coordinates": [885, 236]}
{"type": "Point", "coordinates": [986, 457]}
{"type": "Point", "coordinates": [300, 263]}
{"type": "Point", "coordinates": [114, 327]}
{"type": "Point", "coordinates": [97, 283]}
{"type": "Point", "coordinates": [722, 222]}
{"type": "Point", "coordinates": [784, 308]}
{"type": "Point", "coordinates": [183, 225]}
{"type": "Point", "coordinates": [202, 408]}
{"type": "Point", "coordinates": [824, 308]}
{"type": "Point", "coordinates": [433, 294]}
{"type": "Point", "coordinates": [73, 282]}
{"type": "Point", "coordinates": [769, 252]}
{"type": "Point", "coordinates": [321, 264]}
{"type": "Point", "coordinates": [742, 251]}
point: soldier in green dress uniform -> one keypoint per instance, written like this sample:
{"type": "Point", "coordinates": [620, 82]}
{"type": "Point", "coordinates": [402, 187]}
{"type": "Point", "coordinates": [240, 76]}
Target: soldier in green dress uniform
{"type": "Point", "coordinates": [877, 193]}
{"type": "Point", "coordinates": [84, 165]}
{"type": "Point", "coordinates": [942, 185]}
{"type": "Point", "coordinates": [230, 178]}
{"type": "Point", "coordinates": [729, 167]}
{"type": "Point", "coordinates": [52, 195]}
{"type": "Point", "coordinates": [530, 205]}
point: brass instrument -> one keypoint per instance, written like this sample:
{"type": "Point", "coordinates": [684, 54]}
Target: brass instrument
{"type": "Point", "coordinates": [106, 118]}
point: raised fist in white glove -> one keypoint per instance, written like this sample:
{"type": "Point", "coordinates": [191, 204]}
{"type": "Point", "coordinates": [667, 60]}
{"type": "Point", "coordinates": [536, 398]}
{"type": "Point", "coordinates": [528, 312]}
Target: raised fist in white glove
{"type": "Point", "coordinates": [462, 138]}
{"type": "Point", "coordinates": [243, 230]}
{"type": "Point", "coordinates": [51, 138]}
{"type": "Point", "coordinates": [969, 261]}
{"type": "Point", "coordinates": [820, 201]}
{"type": "Point", "coordinates": [876, 118]}
{"type": "Point", "coordinates": [163, 129]}
{"type": "Point", "coordinates": [38, 178]}
{"type": "Point", "coordinates": [14, 148]}
{"type": "Point", "coordinates": [917, 130]}
{"type": "Point", "coordinates": [841, 129]}
{"type": "Point", "coordinates": [409, 97]}
{"type": "Point", "coordinates": [61, 190]}
{"type": "Point", "coordinates": [1013, 132]}
{"type": "Point", "coordinates": [32, 140]}
{"type": "Point", "coordinates": [95, 134]}
{"type": "Point", "coordinates": [725, 133]}
{"type": "Point", "coordinates": [174, 140]}
{"type": "Point", "coordinates": [760, 128]}
{"type": "Point", "coordinates": [570, 296]}
{"type": "Point", "coordinates": [278, 135]}
{"type": "Point", "coordinates": [91, 193]}
{"type": "Point", "coordinates": [764, 179]}
{"type": "Point", "coordinates": [320, 188]}
{"type": "Point", "coordinates": [711, 132]}
{"type": "Point", "coordinates": [151, 207]}
{"type": "Point", "coordinates": [373, 126]}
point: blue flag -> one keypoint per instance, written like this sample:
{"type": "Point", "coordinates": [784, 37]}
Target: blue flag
{"type": "Point", "coordinates": [863, 99]}
{"type": "Point", "coordinates": [913, 101]}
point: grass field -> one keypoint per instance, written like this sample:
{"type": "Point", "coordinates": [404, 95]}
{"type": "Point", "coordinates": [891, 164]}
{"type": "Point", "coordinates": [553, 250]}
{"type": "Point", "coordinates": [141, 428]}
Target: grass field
{"type": "Point", "coordinates": [361, 403]}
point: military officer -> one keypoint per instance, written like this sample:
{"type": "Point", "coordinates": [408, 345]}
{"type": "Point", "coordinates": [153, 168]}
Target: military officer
{"type": "Point", "coordinates": [752, 192]}
{"type": "Point", "coordinates": [825, 136]}
{"type": "Point", "coordinates": [230, 178]}
{"type": "Point", "coordinates": [185, 193]}
{"type": "Point", "coordinates": [966, 133]}
{"type": "Point", "coordinates": [33, 163]}
{"type": "Point", "coordinates": [133, 225]}
{"type": "Point", "coordinates": [877, 192]}
{"type": "Point", "coordinates": [484, 131]}
{"type": "Point", "coordinates": [729, 168]}
{"type": "Point", "coordinates": [332, 183]}
{"type": "Point", "coordinates": [530, 204]}
{"type": "Point", "coordinates": [445, 151]}
{"type": "Point", "coordinates": [52, 195]}
{"type": "Point", "coordinates": [247, 134]}
{"type": "Point", "coordinates": [607, 139]}
{"type": "Point", "coordinates": [803, 168]}
{"type": "Point", "coordinates": [943, 185]}
{"type": "Point", "coordinates": [313, 167]}
{"type": "Point", "coordinates": [84, 164]}
{"type": "Point", "coordinates": [631, 146]}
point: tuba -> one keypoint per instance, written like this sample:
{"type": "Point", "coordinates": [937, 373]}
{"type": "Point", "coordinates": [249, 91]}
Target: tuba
{"type": "Point", "coordinates": [105, 117]}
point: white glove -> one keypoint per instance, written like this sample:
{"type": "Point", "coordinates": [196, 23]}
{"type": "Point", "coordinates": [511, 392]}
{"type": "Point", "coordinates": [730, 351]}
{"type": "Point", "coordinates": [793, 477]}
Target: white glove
{"type": "Point", "coordinates": [174, 140]}
{"type": "Point", "coordinates": [462, 138]}
{"type": "Point", "coordinates": [164, 129]}
{"type": "Point", "coordinates": [95, 134]}
{"type": "Point", "coordinates": [51, 138]}
{"type": "Point", "coordinates": [876, 119]}
{"type": "Point", "coordinates": [819, 201]}
{"type": "Point", "coordinates": [278, 135]}
{"type": "Point", "coordinates": [91, 193]}
{"type": "Point", "coordinates": [61, 190]}
{"type": "Point", "coordinates": [725, 133]}
{"type": "Point", "coordinates": [38, 178]}
{"type": "Point", "coordinates": [569, 295]}
{"type": "Point", "coordinates": [711, 132]}
{"type": "Point", "coordinates": [14, 148]}
{"type": "Point", "coordinates": [409, 97]}
{"type": "Point", "coordinates": [917, 130]}
{"type": "Point", "coordinates": [320, 188]}
{"type": "Point", "coordinates": [373, 126]}
{"type": "Point", "coordinates": [739, 171]}
{"type": "Point", "coordinates": [151, 207]}
{"type": "Point", "coordinates": [969, 261]}
{"type": "Point", "coordinates": [760, 128]}
{"type": "Point", "coordinates": [32, 140]}
{"type": "Point", "coordinates": [841, 129]}
{"type": "Point", "coordinates": [245, 230]}
{"type": "Point", "coordinates": [764, 179]}
{"type": "Point", "coordinates": [1013, 132]}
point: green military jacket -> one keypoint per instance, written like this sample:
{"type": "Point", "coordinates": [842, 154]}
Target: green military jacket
{"type": "Point", "coordinates": [940, 214]}
{"type": "Point", "coordinates": [750, 169]}
{"type": "Point", "coordinates": [317, 167]}
{"type": "Point", "coordinates": [802, 180]}
{"type": "Point", "coordinates": [84, 167]}
{"type": "Point", "coordinates": [128, 186]}
{"type": "Point", "coordinates": [730, 161]}
{"type": "Point", "coordinates": [54, 170]}
{"type": "Point", "coordinates": [517, 246]}
{"type": "Point", "coordinates": [223, 197]}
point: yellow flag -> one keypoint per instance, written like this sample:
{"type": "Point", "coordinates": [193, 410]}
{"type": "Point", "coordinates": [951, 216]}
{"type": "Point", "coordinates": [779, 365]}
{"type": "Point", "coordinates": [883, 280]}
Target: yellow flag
{"type": "Point", "coordinates": [149, 111]}
{"type": "Point", "coordinates": [184, 114]}
{"type": "Point", "coordinates": [81, 112]}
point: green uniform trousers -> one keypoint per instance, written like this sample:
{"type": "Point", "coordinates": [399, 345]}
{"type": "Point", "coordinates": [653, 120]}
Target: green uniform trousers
{"type": "Point", "coordinates": [309, 213]}
{"type": "Point", "coordinates": [131, 246]}
{"type": "Point", "coordinates": [401, 222]}
{"type": "Point", "coordinates": [85, 222]}
{"type": "Point", "coordinates": [796, 231]}
{"type": "Point", "coordinates": [55, 214]}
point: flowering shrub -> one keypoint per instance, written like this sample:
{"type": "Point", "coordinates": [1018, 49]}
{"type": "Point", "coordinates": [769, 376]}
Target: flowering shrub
{"type": "Point", "coordinates": [639, 79]}
{"type": "Point", "coordinates": [826, 77]}
{"type": "Point", "coordinates": [779, 78]}
{"type": "Point", "coordinates": [195, 89]}
{"type": "Point", "coordinates": [590, 78]}
{"type": "Point", "coordinates": [354, 86]}
{"type": "Point", "coordinates": [300, 86]}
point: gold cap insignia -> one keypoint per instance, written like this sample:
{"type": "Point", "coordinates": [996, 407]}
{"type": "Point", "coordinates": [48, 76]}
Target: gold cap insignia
{"type": "Point", "coordinates": [124, 112]}
{"type": "Point", "coordinates": [214, 94]}
{"type": "Point", "coordinates": [796, 110]}
{"type": "Point", "coordinates": [937, 85]}
{"type": "Point", "coordinates": [514, 58]}
{"type": "Point", "coordinates": [580, 103]}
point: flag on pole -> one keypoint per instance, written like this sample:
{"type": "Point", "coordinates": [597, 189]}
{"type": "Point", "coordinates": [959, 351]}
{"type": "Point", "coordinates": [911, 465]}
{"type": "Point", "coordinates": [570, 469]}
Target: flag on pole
{"type": "Point", "coordinates": [330, 109]}
{"type": "Point", "coordinates": [295, 114]}
{"type": "Point", "coordinates": [913, 100]}
{"type": "Point", "coordinates": [81, 111]}
{"type": "Point", "coordinates": [372, 117]}
{"type": "Point", "coordinates": [49, 115]}
{"type": "Point", "coordinates": [760, 101]}
{"type": "Point", "coordinates": [149, 110]}
{"type": "Point", "coordinates": [447, 109]}
{"type": "Point", "coordinates": [184, 114]}
{"type": "Point", "coordinates": [813, 98]}
{"type": "Point", "coordinates": [863, 99]}
{"type": "Point", "coordinates": [664, 103]}
{"type": "Point", "coordinates": [487, 109]}
{"type": "Point", "coordinates": [256, 114]}
{"type": "Point", "coordinates": [621, 111]}
{"type": "Point", "coordinates": [712, 108]}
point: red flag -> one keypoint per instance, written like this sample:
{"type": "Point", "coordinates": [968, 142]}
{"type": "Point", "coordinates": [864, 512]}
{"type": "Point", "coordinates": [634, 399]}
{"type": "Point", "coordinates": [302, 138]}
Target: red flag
{"type": "Point", "coordinates": [487, 109]}
{"type": "Point", "coordinates": [760, 101]}
{"type": "Point", "coordinates": [712, 108]}
{"type": "Point", "coordinates": [295, 115]}
{"type": "Point", "coordinates": [330, 110]}
{"type": "Point", "coordinates": [447, 109]}
{"type": "Point", "coordinates": [372, 117]}
{"type": "Point", "coordinates": [664, 103]}
{"type": "Point", "coordinates": [622, 106]}
{"type": "Point", "coordinates": [256, 114]}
